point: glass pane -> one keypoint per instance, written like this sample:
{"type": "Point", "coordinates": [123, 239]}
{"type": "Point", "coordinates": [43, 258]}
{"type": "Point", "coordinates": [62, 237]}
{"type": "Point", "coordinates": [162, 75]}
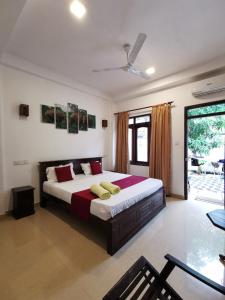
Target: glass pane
{"type": "Point", "coordinates": [206, 138]}
{"type": "Point", "coordinates": [206, 109]}
{"type": "Point", "coordinates": [131, 120]}
{"type": "Point", "coordinates": [142, 144]}
{"type": "Point", "coordinates": [130, 143]}
{"type": "Point", "coordinates": [142, 119]}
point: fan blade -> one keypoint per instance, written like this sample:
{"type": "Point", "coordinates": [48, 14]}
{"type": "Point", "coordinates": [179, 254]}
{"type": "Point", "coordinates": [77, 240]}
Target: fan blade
{"type": "Point", "coordinates": [137, 47]}
{"type": "Point", "coordinates": [107, 69]}
{"type": "Point", "coordinates": [137, 72]}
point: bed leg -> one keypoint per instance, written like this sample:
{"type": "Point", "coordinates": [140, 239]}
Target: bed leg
{"type": "Point", "coordinates": [111, 246]}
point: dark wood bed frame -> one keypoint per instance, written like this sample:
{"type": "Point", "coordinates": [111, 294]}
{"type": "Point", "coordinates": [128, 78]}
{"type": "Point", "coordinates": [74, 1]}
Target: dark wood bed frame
{"type": "Point", "coordinates": [121, 228]}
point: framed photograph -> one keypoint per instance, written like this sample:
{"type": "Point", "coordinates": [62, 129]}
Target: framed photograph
{"type": "Point", "coordinates": [73, 115]}
{"type": "Point", "coordinates": [48, 114]}
{"type": "Point", "coordinates": [92, 121]}
{"type": "Point", "coordinates": [83, 120]}
{"type": "Point", "coordinates": [61, 116]}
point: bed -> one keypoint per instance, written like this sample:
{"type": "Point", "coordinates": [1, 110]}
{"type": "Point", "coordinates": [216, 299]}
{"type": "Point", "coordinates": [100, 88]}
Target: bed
{"type": "Point", "coordinates": [122, 216]}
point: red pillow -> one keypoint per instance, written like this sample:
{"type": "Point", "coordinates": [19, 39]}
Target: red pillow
{"type": "Point", "coordinates": [63, 174]}
{"type": "Point", "coordinates": [96, 167]}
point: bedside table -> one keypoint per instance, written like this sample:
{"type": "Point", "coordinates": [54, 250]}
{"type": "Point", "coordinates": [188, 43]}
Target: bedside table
{"type": "Point", "coordinates": [23, 201]}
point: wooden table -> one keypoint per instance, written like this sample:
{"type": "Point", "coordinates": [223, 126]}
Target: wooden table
{"type": "Point", "coordinates": [217, 217]}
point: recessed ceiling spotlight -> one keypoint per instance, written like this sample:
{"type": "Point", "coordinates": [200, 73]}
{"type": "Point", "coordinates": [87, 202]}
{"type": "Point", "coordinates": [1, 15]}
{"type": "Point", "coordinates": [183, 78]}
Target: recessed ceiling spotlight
{"type": "Point", "coordinates": [78, 9]}
{"type": "Point", "coordinates": [150, 71]}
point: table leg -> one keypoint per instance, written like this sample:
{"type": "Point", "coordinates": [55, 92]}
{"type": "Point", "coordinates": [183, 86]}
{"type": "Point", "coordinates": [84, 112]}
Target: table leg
{"type": "Point", "coordinates": [222, 257]}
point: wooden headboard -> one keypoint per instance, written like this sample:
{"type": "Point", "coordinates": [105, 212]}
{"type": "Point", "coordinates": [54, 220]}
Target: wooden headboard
{"type": "Point", "coordinates": [43, 165]}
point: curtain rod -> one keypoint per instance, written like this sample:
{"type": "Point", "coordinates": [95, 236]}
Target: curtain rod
{"type": "Point", "coordinates": [145, 107]}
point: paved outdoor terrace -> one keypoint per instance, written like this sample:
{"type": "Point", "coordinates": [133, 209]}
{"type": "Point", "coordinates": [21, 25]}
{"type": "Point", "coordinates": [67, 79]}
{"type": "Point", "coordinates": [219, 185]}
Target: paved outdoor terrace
{"type": "Point", "coordinates": [207, 187]}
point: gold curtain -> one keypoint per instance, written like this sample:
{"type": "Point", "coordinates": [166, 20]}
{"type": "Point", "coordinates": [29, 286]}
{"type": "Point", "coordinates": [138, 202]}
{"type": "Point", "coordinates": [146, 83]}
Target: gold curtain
{"type": "Point", "coordinates": [160, 147]}
{"type": "Point", "coordinates": [122, 142]}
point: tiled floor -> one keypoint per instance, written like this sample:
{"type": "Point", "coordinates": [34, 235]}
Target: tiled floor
{"type": "Point", "coordinates": [51, 256]}
{"type": "Point", "coordinates": [207, 187]}
{"type": "Point", "coordinates": [207, 182]}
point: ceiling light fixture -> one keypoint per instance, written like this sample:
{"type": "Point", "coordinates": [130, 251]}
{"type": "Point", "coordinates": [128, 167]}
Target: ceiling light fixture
{"type": "Point", "coordinates": [78, 9]}
{"type": "Point", "coordinates": [150, 71]}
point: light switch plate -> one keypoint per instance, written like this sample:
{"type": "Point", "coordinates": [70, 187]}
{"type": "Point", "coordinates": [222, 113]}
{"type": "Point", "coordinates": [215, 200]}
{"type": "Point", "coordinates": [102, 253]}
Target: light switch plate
{"type": "Point", "coordinates": [20, 162]}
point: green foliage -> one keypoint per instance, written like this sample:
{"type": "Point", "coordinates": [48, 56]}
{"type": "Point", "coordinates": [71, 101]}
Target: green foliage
{"type": "Point", "coordinates": [204, 134]}
{"type": "Point", "coordinates": [207, 109]}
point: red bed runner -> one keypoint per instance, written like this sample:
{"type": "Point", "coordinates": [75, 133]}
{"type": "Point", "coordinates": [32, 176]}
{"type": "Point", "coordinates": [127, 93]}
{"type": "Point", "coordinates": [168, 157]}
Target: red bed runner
{"type": "Point", "coordinates": [81, 201]}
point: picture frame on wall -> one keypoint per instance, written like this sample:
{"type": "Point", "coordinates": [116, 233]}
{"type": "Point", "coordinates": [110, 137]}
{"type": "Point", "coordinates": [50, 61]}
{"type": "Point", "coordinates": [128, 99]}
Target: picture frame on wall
{"type": "Point", "coordinates": [73, 117]}
{"type": "Point", "coordinates": [92, 121]}
{"type": "Point", "coordinates": [47, 114]}
{"type": "Point", "coordinates": [83, 120]}
{"type": "Point", "coordinates": [61, 116]}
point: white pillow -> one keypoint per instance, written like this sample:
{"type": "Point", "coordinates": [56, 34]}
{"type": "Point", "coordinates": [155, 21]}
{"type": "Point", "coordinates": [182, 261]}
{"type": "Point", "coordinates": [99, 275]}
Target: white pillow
{"type": "Point", "coordinates": [51, 175]}
{"type": "Point", "coordinates": [50, 172]}
{"type": "Point", "coordinates": [86, 168]}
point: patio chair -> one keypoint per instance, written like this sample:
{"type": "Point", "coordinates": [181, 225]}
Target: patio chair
{"type": "Point", "coordinates": [207, 168]}
{"type": "Point", "coordinates": [217, 167]}
{"type": "Point", "coordinates": [142, 281]}
{"type": "Point", "coordinates": [195, 165]}
{"type": "Point", "coordinates": [191, 168]}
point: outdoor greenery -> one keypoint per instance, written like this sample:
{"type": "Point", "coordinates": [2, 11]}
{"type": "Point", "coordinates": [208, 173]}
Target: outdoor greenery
{"type": "Point", "coordinates": [207, 109]}
{"type": "Point", "coordinates": [206, 133]}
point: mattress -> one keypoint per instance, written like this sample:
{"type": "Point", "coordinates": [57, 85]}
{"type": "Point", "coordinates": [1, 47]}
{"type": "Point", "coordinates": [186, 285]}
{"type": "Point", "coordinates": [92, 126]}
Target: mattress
{"type": "Point", "coordinates": [104, 209]}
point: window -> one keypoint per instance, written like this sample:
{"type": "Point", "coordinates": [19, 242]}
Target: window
{"type": "Point", "coordinates": [138, 140]}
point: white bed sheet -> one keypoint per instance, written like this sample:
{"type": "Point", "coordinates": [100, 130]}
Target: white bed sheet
{"type": "Point", "coordinates": [104, 209]}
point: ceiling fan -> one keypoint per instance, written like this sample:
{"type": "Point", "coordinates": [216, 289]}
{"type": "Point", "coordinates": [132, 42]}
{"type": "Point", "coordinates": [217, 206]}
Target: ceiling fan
{"type": "Point", "coordinates": [131, 57]}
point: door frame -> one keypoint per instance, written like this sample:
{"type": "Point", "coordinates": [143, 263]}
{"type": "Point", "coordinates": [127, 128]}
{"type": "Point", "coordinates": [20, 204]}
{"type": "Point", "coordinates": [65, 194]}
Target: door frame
{"type": "Point", "coordinates": [186, 118]}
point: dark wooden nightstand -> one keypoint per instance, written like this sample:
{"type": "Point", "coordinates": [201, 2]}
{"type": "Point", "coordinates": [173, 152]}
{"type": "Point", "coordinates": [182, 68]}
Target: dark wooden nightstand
{"type": "Point", "coordinates": [23, 201]}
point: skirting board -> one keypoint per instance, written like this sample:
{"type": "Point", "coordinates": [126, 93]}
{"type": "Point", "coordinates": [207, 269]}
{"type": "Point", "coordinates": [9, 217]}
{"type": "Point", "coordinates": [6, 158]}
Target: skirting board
{"type": "Point", "coordinates": [3, 215]}
{"type": "Point", "coordinates": [177, 196]}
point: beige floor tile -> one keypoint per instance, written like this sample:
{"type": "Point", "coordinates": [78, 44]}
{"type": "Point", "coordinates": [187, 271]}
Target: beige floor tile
{"type": "Point", "coordinates": [50, 255]}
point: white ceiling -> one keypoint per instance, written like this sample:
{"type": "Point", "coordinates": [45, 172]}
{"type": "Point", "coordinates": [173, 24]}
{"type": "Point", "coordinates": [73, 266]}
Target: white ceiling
{"type": "Point", "coordinates": [181, 35]}
{"type": "Point", "coordinates": [9, 13]}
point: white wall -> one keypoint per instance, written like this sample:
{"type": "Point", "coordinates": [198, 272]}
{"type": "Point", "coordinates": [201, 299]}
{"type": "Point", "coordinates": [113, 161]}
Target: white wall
{"type": "Point", "coordinates": [29, 139]}
{"type": "Point", "coordinates": [1, 145]}
{"type": "Point", "coordinates": [182, 96]}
